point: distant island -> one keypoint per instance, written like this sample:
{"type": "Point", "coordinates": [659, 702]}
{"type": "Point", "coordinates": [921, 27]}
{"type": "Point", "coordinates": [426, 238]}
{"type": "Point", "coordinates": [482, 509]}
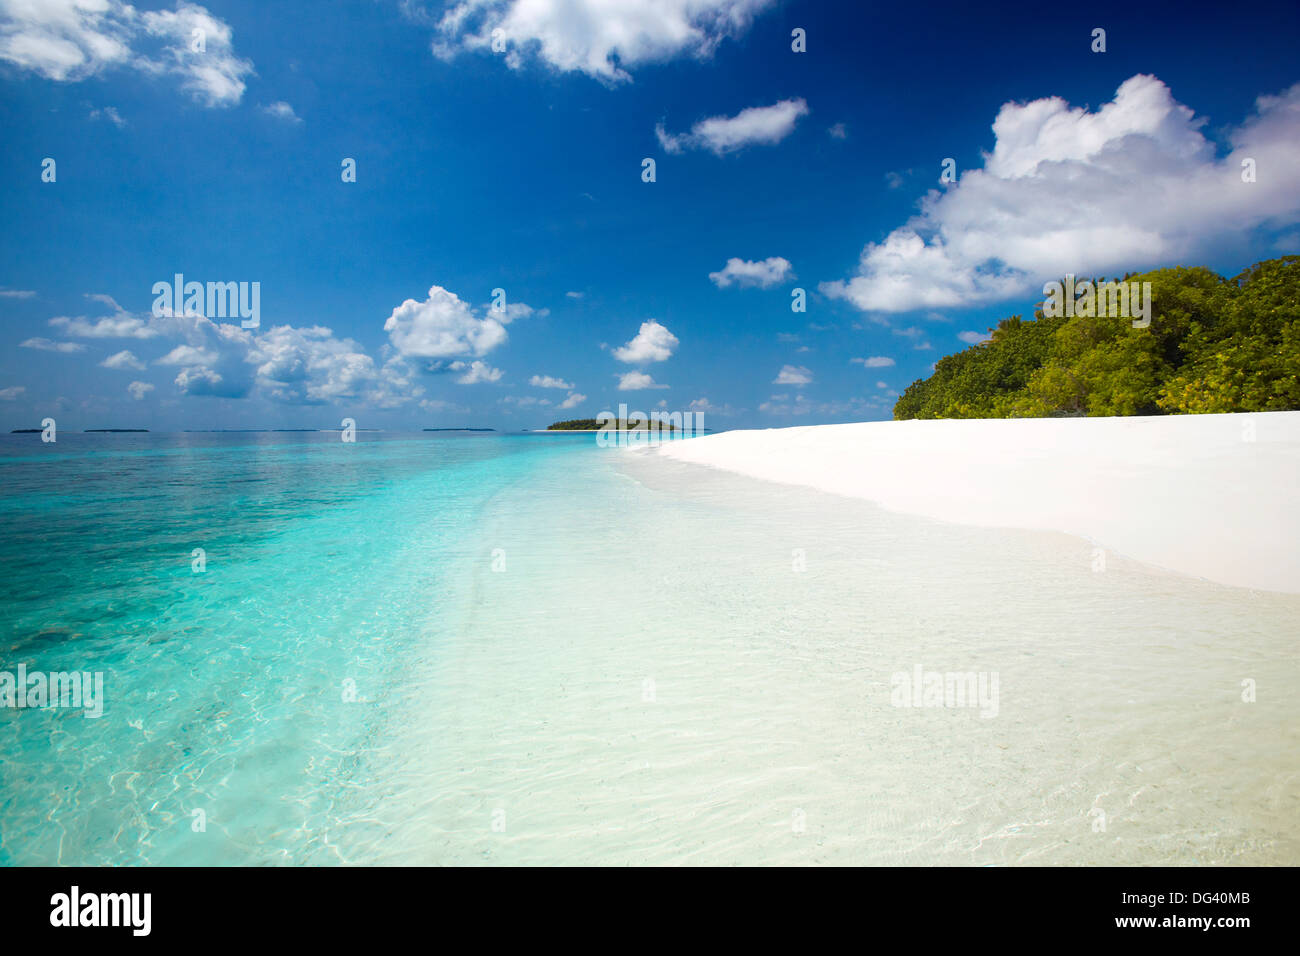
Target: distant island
{"type": "Point", "coordinates": [244, 431]}
{"type": "Point", "coordinates": [88, 431]}
{"type": "Point", "coordinates": [593, 425]}
{"type": "Point", "coordinates": [1212, 345]}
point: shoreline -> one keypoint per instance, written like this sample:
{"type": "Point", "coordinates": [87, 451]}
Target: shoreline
{"type": "Point", "coordinates": [1211, 496]}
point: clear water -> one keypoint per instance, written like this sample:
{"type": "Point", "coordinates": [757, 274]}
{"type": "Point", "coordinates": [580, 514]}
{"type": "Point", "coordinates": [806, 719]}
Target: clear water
{"type": "Point", "coordinates": [326, 562]}
{"type": "Point", "coordinates": [571, 655]}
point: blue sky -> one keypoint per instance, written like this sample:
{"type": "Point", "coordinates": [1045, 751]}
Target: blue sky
{"type": "Point", "coordinates": [521, 170]}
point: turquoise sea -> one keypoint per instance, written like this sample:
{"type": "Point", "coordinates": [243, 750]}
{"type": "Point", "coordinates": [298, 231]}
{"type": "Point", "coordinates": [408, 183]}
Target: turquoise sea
{"type": "Point", "coordinates": [327, 565]}
{"type": "Point", "coordinates": [512, 649]}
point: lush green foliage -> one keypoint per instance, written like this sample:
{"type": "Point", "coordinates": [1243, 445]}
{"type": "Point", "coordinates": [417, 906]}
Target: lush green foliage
{"type": "Point", "coordinates": [1213, 345]}
{"type": "Point", "coordinates": [574, 424]}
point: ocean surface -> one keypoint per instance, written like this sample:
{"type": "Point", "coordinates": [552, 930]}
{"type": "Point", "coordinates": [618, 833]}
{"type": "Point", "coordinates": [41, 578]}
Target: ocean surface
{"type": "Point", "coordinates": [514, 649]}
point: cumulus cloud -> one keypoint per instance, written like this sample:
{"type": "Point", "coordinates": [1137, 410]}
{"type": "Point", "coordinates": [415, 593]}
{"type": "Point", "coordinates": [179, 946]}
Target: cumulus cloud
{"type": "Point", "coordinates": [546, 381]}
{"type": "Point", "coordinates": [293, 365]}
{"type": "Point", "coordinates": [119, 325]}
{"type": "Point", "coordinates": [573, 399]}
{"type": "Point", "coordinates": [874, 361]}
{"type": "Point", "coordinates": [139, 390]}
{"type": "Point", "coordinates": [70, 40]}
{"type": "Point", "coordinates": [443, 326]}
{"type": "Point", "coordinates": [1069, 190]}
{"type": "Point", "coordinates": [764, 273]}
{"type": "Point", "coordinates": [48, 345]}
{"type": "Point", "coordinates": [793, 375]}
{"type": "Point", "coordinates": [974, 338]}
{"type": "Point", "coordinates": [601, 38]}
{"type": "Point", "coordinates": [124, 359]}
{"type": "Point", "coordinates": [653, 343]}
{"type": "Point", "coordinates": [16, 294]}
{"type": "Point", "coordinates": [725, 134]}
{"type": "Point", "coordinates": [475, 372]}
{"type": "Point", "coordinates": [187, 355]}
{"type": "Point", "coordinates": [636, 381]}
{"type": "Point", "coordinates": [200, 380]}
{"type": "Point", "coordinates": [12, 392]}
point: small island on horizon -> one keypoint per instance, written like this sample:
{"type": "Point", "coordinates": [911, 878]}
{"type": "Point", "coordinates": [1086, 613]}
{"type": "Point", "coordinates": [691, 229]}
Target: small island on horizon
{"type": "Point", "coordinates": [593, 425]}
{"type": "Point", "coordinates": [87, 431]}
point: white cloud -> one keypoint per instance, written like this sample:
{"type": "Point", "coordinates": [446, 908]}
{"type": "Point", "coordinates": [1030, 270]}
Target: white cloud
{"type": "Point", "coordinates": [443, 325]}
{"type": "Point", "coordinates": [838, 131]}
{"type": "Point", "coordinates": [724, 134]}
{"type": "Point", "coordinates": [123, 360]}
{"type": "Point", "coordinates": [293, 365]}
{"type": "Point", "coordinates": [12, 392]}
{"type": "Point", "coordinates": [546, 381]}
{"type": "Point", "coordinates": [475, 372]}
{"type": "Point", "coordinates": [974, 338]}
{"type": "Point", "coordinates": [1066, 190]}
{"type": "Point", "coordinates": [47, 345]}
{"type": "Point", "coordinates": [703, 405]}
{"type": "Point", "coordinates": [69, 40]}
{"type": "Point", "coordinates": [793, 375]}
{"type": "Point", "coordinates": [111, 114]}
{"type": "Point", "coordinates": [653, 343]}
{"type": "Point", "coordinates": [574, 295]}
{"type": "Point", "coordinates": [601, 38]}
{"type": "Point", "coordinates": [282, 111]}
{"type": "Point", "coordinates": [120, 325]}
{"type": "Point", "coordinates": [187, 355]}
{"type": "Point", "coordinates": [16, 294]}
{"type": "Point", "coordinates": [201, 381]}
{"type": "Point", "coordinates": [309, 366]}
{"type": "Point", "coordinates": [574, 398]}
{"type": "Point", "coordinates": [882, 385]}
{"type": "Point", "coordinates": [635, 381]}
{"type": "Point", "coordinates": [874, 361]}
{"type": "Point", "coordinates": [764, 273]}
{"type": "Point", "coordinates": [139, 390]}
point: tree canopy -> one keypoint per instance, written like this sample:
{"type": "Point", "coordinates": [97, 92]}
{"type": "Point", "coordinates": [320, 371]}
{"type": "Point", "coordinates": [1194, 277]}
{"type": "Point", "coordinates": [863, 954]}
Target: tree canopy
{"type": "Point", "coordinates": [1213, 345]}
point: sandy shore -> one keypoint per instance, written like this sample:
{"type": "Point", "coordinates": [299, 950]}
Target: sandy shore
{"type": "Point", "coordinates": [1214, 496]}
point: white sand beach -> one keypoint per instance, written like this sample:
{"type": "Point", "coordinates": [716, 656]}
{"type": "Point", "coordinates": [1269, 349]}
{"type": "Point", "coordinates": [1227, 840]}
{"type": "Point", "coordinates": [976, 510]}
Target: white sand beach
{"type": "Point", "coordinates": [685, 665]}
{"type": "Point", "coordinates": [1214, 496]}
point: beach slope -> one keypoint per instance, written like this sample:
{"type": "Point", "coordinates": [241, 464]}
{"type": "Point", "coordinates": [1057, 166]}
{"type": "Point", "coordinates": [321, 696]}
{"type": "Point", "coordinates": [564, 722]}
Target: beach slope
{"type": "Point", "coordinates": [1214, 496]}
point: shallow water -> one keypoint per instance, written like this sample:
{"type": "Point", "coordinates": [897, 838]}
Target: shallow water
{"type": "Point", "coordinates": [651, 681]}
{"type": "Point", "coordinates": [571, 655]}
